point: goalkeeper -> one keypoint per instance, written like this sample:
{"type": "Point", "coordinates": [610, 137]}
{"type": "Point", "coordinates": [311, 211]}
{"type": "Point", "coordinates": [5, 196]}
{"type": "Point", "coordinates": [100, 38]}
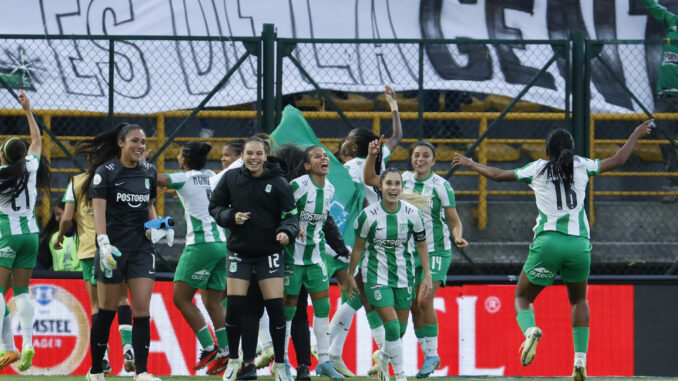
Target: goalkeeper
{"type": "Point", "coordinates": [123, 190]}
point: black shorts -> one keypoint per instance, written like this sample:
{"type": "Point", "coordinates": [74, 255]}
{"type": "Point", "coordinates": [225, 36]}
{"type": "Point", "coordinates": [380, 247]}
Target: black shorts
{"type": "Point", "coordinates": [131, 264]}
{"type": "Point", "coordinates": [242, 267]}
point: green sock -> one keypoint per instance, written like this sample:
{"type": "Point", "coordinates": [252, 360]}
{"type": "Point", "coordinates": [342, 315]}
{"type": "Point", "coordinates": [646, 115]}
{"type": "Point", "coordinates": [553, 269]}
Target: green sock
{"type": "Point", "coordinates": [374, 320]}
{"type": "Point", "coordinates": [403, 328]}
{"type": "Point", "coordinates": [430, 330]}
{"type": "Point", "coordinates": [419, 333]}
{"type": "Point", "coordinates": [581, 339]}
{"type": "Point", "coordinates": [289, 312]}
{"type": "Point", "coordinates": [222, 338]}
{"type": "Point", "coordinates": [205, 338]}
{"type": "Point", "coordinates": [525, 320]}
{"type": "Point", "coordinates": [344, 296]}
{"type": "Point", "coordinates": [126, 336]}
{"type": "Point", "coordinates": [355, 303]}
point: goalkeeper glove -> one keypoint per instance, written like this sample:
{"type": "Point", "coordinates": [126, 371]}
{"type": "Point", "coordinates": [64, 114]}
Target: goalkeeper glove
{"type": "Point", "coordinates": [107, 254]}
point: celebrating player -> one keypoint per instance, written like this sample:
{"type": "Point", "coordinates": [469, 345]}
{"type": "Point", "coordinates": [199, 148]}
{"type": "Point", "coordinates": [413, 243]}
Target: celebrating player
{"type": "Point", "coordinates": [440, 218]}
{"type": "Point", "coordinates": [383, 230]}
{"type": "Point", "coordinates": [123, 190]}
{"type": "Point", "coordinates": [21, 175]}
{"type": "Point", "coordinates": [78, 206]}
{"type": "Point", "coordinates": [561, 237]}
{"type": "Point", "coordinates": [256, 204]}
{"type": "Point", "coordinates": [356, 146]}
{"type": "Point", "coordinates": [202, 265]}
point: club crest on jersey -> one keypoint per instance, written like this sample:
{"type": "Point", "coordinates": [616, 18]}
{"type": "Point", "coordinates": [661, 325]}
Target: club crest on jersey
{"type": "Point", "coordinates": [147, 183]}
{"type": "Point", "coordinates": [402, 228]}
{"type": "Point", "coordinates": [268, 188]}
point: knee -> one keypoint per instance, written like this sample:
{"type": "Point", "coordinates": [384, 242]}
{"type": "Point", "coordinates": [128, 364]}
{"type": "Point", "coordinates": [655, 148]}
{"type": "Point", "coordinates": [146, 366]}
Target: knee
{"type": "Point", "coordinates": [392, 330]}
{"type": "Point", "coordinates": [321, 307]}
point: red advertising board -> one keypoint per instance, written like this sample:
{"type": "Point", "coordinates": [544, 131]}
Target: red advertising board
{"type": "Point", "coordinates": [478, 333]}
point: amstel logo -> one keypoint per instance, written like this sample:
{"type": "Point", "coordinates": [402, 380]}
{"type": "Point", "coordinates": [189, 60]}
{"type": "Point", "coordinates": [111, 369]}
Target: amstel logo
{"type": "Point", "coordinates": [60, 330]}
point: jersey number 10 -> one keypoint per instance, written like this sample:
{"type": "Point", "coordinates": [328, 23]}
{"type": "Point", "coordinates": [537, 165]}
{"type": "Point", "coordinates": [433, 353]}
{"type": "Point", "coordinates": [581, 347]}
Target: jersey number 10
{"type": "Point", "coordinates": [570, 197]}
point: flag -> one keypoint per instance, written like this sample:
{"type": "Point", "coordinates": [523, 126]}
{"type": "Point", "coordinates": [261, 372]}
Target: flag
{"type": "Point", "coordinates": [348, 195]}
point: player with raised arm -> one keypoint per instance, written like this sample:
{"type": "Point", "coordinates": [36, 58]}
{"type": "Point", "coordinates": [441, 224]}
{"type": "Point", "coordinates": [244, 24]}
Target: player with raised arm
{"type": "Point", "coordinates": [356, 146]}
{"type": "Point", "coordinates": [21, 175]}
{"type": "Point", "coordinates": [561, 236]}
{"type": "Point", "coordinates": [382, 231]}
{"type": "Point", "coordinates": [123, 191]}
{"type": "Point", "coordinates": [440, 218]}
{"type": "Point", "coordinates": [202, 265]}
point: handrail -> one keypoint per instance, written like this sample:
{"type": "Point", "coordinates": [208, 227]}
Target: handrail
{"type": "Point", "coordinates": [377, 117]}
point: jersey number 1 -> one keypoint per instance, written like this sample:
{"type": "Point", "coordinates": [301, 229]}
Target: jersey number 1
{"type": "Point", "coordinates": [570, 197]}
{"type": "Point", "coordinates": [17, 208]}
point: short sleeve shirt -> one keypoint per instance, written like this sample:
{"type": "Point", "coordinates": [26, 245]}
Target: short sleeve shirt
{"type": "Point", "coordinates": [387, 260]}
{"type": "Point", "coordinates": [559, 210]}
{"type": "Point", "coordinates": [356, 168]}
{"type": "Point", "coordinates": [128, 193]}
{"type": "Point", "coordinates": [17, 215]}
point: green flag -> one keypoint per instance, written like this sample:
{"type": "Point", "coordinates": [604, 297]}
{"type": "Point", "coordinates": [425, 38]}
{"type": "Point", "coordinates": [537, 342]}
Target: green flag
{"type": "Point", "coordinates": [348, 195]}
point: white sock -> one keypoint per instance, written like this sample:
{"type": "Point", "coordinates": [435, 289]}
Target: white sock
{"type": "Point", "coordinates": [24, 307]}
{"type": "Point", "coordinates": [423, 344]}
{"type": "Point", "coordinates": [339, 327]}
{"type": "Point", "coordinates": [4, 320]}
{"type": "Point", "coordinates": [7, 334]}
{"type": "Point", "coordinates": [394, 351]}
{"type": "Point", "coordinates": [321, 328]}
{"type": "Point", "coordinates": [264, 334]}
{"type": "Point", "coordinates": [431, 346]}
{"type": "Point", "coordinates": [580, 355]}
{"type": "Point", "coordinates": [288, 334]}
{"type": "Point", "coordinates": [379, 336]}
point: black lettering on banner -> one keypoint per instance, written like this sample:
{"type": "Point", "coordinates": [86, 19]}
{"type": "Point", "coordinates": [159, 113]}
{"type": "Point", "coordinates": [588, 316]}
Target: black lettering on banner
{"type": "Point", "coordinates": [513, 70]}
{"type": "Point", "coordinates": [479, 66]}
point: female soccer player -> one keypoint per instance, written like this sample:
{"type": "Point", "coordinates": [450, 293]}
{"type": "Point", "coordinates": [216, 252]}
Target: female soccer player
{"type": "Point", "coordinates": [383, 230]}
{"type": "Point", "coordinates": [202, 265]}
{"type": "Point", "coordinates": [78, 207]}
{"type": "Point", "coordinates": [20, 177]}
{"type": "Point", "coordinates": [304, 263]}
{"type": "Point", "coordinates": [256, 204]}
{"type": "Point", "coordinates": [122, 190]}
{"type": "Point", "coordinates": [440, 218]}
{"type": "Point", "coordinates": [561, 237]}
{"type": "Point", "coordinates": [231, 152]}
{"type": "Point", "coordinates": [356, 146]}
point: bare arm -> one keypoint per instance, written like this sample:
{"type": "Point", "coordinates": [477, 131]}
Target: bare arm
{"type": "Point", "coordinates": [455, 226]}
{"type": "Point", "coordinates": [624, 152]}
{"type": "Point", "coordinates": [152, 215]}
{"type": "Point", "coordinates": [65, 223]}
{"type": "Point", "coordinates": [491, 173]}
{"type": "Point", "coordinates": [163, 180]}
{"type": "Point", "coordinates": [99, 207]}
{"type": "Point", "coordinates": [36, 140]}
{"type": "Point", "coordinates": [358, 247]}
{"type": "Point", "coordinates": [370, 173]}
{"type": "Point", "coordinates": [397, 135]}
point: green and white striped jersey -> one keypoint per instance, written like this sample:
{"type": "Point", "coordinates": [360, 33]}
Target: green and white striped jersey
{"type": "Point", "coordinates": [435, 221]}
{"type": "Point", "coordinates": [193, 188]}
{"type": "Point", "coordinates": [387, 260]}
{"type": "Point", "coordinates": [17, 215]}
{"type": "Point", "coordinates": [560, 211]}
{"type": "Point", "coordinates": [356, 168]}
{"type": "Point", "coordinates": [313, 205]}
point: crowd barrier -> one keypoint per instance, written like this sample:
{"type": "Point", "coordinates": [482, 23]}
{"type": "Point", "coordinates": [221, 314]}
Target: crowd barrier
{"type": "Point", "coordinates": [631, 332]}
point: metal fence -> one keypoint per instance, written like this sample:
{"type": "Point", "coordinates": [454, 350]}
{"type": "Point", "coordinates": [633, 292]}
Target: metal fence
{"type": "Point", "coordinates": [501, 123]}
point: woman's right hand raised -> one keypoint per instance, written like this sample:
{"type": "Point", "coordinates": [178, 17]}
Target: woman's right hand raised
{"type": "Point", "coordinates": [374, 147]}
{"type": "Point", "coordinates": [645, 128]}
{"type": "Point", "coordinates": [24, 101]}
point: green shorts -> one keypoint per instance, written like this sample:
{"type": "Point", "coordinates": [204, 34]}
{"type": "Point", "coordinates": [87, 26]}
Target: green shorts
{"type": "Point", "coordinates": [203, 266]}
{"type": "Point", "coordinates": [19, 251]}
{"type": "Point", "coordinates": [552, 253]}
{"type": "Point", "coordinates": [313, 277]}
{"type": "Point", "coordinates": [439, 262]}
{"type": "Point", "coordinates": [88, 270]}
{"type": "Point", "coordinates": [384, 296]}
{"type": "Point", "coordinates": [334, 264]}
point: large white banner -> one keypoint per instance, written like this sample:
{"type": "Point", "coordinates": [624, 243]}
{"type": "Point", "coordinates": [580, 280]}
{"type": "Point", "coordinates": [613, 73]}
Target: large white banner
{"type": "Point", "coordinates": [158, 75]}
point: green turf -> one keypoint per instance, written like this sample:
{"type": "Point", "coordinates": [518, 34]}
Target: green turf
{"type": "Point", "coordinates": [204, 378]}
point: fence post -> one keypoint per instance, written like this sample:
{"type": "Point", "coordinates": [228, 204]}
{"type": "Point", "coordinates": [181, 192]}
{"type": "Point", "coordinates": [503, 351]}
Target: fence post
{"type": "Point", "coordinates": [160, 163]}
{"type": "Point", "coordinates": [579, 101]}
{"type": "Point", "coordinates": [268, 36]}
{"type": "Point", "coordinates": [111, 78]}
